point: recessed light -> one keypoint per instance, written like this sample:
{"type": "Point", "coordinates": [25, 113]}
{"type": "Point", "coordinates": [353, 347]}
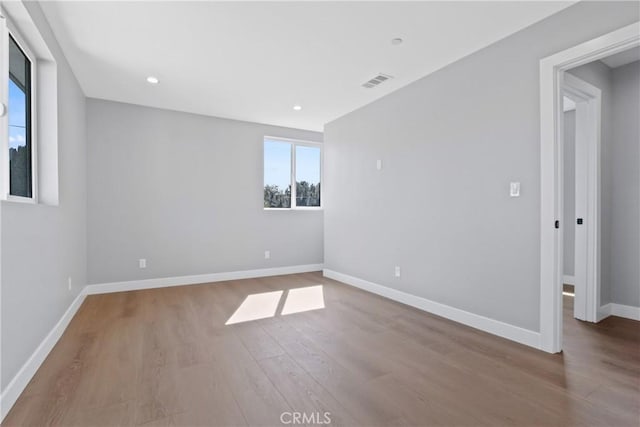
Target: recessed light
{"type": "Point", "coordinates": [396, 41]}
{"type": "Point", "coordinates": [297, 107]}
{"type": "Point", "coordinates": [153, 80]}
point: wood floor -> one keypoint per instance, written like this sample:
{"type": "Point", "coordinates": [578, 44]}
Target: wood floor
{"type": "Point", "coordinates": [165, 357]}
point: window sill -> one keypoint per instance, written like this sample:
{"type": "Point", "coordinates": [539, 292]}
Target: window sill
{"type": "Point", "coordinates": [311, 208]}
{"type": "Point", "coordinates": [18, 199]}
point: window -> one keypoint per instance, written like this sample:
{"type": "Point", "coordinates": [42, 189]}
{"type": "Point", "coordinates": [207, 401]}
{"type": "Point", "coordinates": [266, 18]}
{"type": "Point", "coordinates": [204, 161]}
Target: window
{"type": "Point", "coordinates": [307, 167]}
{"type": "Point", "coordinates": [19, 112]}
{"type": "Point", "coordinates": [29, 110]}
{"type": "Point", "coordinates": [292, 174]}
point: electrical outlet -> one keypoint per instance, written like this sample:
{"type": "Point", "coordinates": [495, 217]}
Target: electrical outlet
{"type": "Point", "coordinates": [69, 283]}
{"type": "Point", "coordinates": [142, 263]}
{"type": "Point", "coordinates": [397, 272]}
{"type": "Point", "coordinates": [267, 254]}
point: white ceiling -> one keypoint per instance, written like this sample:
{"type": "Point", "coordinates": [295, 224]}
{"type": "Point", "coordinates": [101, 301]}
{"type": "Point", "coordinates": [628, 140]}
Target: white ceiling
{"type": "Point", "coordinates": [254, 61]}
{"type": "Point", "coordinates": [623, 58]}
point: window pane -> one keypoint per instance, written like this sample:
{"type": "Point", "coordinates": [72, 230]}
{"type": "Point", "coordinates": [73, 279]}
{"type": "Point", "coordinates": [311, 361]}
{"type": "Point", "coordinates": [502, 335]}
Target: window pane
{"type": "Point", "coordinates": [307, 176]}
{"type": "Point", "coordinates": [19, 122]}
{"type": "Point", "coordinates": [277, 174]}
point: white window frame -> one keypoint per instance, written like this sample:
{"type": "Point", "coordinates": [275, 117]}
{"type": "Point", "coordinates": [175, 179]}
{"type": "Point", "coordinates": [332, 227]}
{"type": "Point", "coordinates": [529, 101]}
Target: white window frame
{"type": "Point", "coordinates": [294, 143]}
{"type": "Point", "coordinates": [11, 30]}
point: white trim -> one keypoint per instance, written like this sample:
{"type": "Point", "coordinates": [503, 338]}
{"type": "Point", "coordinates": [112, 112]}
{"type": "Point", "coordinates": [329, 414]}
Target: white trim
{"type": "Point", "coordinates": [295, 140]}
{"type": "Point", "coordinates": [588, 99]}
{"type": "Point", "coordinates": [551, 71]}
{"type": "Point", "coordinates": [492, 326]}
{"type": "Point", "coordinates": [28, 370]}
{"type": "Point", "coordinates": [569, 280]}
{"type": "Point", "coordinates": [3, 127]}
{"type": "Point", "coordinates": [4, 100]}
{"type": "Point", "coordinates": [298, 208]}
{"type": "Point", "coordinates": [620, 310]}
{"type": "Point", "coordinates": [603, 312]}
{"type": "Point", "coordinates": [19, 199]}
{"type": "Point", "coordinates": [132, 285]}
{"type": "Point", "coordinates": [626, 311]}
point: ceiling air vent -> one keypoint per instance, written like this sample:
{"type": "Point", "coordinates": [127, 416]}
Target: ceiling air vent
{"type": "Point", "coordinates": [380, 78]}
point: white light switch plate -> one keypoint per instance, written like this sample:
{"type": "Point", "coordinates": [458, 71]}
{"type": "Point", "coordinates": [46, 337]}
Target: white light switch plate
{"type": "Point", "coordinates": [514, 189]}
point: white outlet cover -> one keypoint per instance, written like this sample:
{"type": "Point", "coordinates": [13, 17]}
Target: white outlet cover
{"type": "Point", "coordinates": [379, 164]}
{"type": "Point", "coordinates": [397, 272]}
{"type": "Point", "coordinates": [267, 254]}
{"type": "Point", "coordinates": [142, 263]}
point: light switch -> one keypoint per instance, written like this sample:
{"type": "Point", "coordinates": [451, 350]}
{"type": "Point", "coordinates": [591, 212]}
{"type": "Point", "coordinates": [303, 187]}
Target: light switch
{"type": "Point", "coordinates": [514, 189]}
{"type": "Point", "coordinates": [379, 164]}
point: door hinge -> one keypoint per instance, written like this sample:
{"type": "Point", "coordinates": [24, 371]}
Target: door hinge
{"type": "Point", "coordinates": [579, 221]}
{"type": "Point", "coordinates": [557, 224]}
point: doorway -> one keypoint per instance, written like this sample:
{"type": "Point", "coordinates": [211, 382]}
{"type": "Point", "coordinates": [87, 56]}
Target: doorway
{"type": "Point", "coordinates": [554, 85]}
{"type": "Point", "coordinates": [580, 141]}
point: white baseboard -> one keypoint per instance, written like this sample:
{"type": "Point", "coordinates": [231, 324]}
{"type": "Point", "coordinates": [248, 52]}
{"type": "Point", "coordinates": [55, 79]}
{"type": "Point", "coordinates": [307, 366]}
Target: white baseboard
{"type": "Point", "coordinates": [13, 390]}
{"type": "Point", "coordinates": [569, 280]}
{"type": "Point", "coordinates": [132, 285]}
{"type": "Point", "coordinates": [19, 382]}
{"type": "Point", "coordinates": [603, 312]}
{"type": "Point", "coordinates": [620, 310]}
{"type": "Point", "coordinates": [505, 330]}
{"type": "Point", "coordinates": [626, 311]}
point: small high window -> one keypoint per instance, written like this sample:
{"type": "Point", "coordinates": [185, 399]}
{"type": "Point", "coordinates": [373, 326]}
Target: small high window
{"type": "Point", "coordinates": [20, 131]}
{"type": "Point", "coordinates": [28, 110]}
{"type": "Point", "coordinates": [292, 174]}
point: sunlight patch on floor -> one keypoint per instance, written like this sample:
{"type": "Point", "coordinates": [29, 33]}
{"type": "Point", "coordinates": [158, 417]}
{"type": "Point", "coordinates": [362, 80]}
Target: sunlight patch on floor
{"type": "Point", "coordinates": [265, 305]}
{"type": "Point", "coordinates": [256, 306]}
{"type": "Point", "coordinates": [304, 299]}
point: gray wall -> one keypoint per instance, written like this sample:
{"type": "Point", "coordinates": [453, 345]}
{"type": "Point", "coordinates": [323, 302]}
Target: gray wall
{"type": "Point", "coordinates": [625, 186]}
{"type": "Point", "coordinates": [44, 245]}
{"type": "Point", "coordinates": [440, 207]}
{"type": "Point", "coordinates": [185, 192]}
{"type": "Point", "coordinates": [569, 229]}
{"type": "Point", "coordinates": [599, 75]}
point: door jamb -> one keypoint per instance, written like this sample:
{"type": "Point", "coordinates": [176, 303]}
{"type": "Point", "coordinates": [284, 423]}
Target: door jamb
{"type": "Point", "coordinates": [588, 100]}
{"type": "Point", "coordinates": [551, 74]}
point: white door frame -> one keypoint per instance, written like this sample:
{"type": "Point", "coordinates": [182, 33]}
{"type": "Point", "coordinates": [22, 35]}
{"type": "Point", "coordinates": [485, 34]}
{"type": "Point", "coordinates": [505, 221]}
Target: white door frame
{"type": "Point", "coordinates": [552, 70]}
{"type": "Point", "coordinates": [588, 100]}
